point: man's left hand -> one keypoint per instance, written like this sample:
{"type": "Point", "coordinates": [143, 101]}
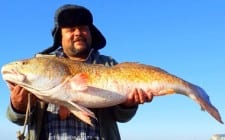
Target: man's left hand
{"type": "Point", "coordinates": [138, 96]}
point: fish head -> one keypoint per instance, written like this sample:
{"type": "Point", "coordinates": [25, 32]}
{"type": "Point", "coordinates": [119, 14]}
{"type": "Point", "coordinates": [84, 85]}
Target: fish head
{"type": "Point", "coordinates": [35, 73]}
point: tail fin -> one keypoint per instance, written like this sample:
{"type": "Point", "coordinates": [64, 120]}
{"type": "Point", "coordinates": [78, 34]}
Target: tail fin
{"type": "Point", "coordinates": [201, 97]}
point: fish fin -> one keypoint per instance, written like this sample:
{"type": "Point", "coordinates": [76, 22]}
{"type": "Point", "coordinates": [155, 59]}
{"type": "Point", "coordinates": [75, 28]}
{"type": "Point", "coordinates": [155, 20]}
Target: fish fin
{"type": "Point", "coordinates": [81, 112]}
{"type": "Point", "coordinates": [79, 82]}
{"type": "Point", "coordinates": [201, 97]}
{"type": "Point", "coordinates": [167, 91]}
{"type": "Point", "coordinates": [82, 117]}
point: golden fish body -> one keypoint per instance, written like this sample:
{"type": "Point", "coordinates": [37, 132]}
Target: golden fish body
{"type": "Point", "coordinates": [79, 86]}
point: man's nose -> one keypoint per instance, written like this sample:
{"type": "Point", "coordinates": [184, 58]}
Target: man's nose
{"type": "Point", "coordinates": [77, 31]}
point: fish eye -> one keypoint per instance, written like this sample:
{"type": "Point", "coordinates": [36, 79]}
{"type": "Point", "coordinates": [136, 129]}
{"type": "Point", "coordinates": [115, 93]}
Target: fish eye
{"type": "Point", "coordinates": [24, 62]}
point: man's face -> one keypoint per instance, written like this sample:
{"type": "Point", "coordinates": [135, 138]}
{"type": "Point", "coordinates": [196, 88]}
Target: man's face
{"type": "Point", "coordinates": [76, 41]}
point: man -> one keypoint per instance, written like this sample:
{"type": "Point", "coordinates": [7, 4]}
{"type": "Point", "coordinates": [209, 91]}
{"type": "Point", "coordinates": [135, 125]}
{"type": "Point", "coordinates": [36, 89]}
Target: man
{"type": "Point", "coordinates": [76, 38]}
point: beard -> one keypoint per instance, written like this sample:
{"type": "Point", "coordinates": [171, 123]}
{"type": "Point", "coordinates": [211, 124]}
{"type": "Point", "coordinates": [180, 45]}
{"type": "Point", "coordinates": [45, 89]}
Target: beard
{"type": "Point", "coordinates": [80, 48]}
{"type": "Point", "coordinates": [79, 52]}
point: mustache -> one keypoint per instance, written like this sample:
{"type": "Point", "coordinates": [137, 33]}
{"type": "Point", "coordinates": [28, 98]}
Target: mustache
{"type": "Point", "coordinates": [80, 38]}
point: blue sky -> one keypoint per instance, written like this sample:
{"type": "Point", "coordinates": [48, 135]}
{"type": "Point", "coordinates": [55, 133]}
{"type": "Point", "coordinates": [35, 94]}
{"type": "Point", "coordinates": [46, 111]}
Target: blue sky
{"type": "Point", "coordinates": [184, 37]}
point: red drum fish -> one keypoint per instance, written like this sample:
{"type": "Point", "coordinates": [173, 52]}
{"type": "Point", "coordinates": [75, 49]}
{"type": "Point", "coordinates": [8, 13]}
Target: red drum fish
{"type": "Point", "coordinates": [79, 86]}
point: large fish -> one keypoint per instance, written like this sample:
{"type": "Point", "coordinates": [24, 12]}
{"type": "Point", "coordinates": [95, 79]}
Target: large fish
{"type": "Point", "coordinates": [79, 86]}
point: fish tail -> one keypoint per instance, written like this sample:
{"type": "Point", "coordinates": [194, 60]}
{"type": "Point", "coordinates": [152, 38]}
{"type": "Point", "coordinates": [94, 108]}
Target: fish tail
{"type": "Point", "coordinates": [201, 97]}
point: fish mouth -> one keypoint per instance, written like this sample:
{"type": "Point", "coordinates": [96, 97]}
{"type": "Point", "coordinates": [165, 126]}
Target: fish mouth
{"type": "Point", "coordinates": [13, 78]}
{"type": "Point", "coordinates": [12, 75]}
{"type": "Point", "coordinates": [6, 74]}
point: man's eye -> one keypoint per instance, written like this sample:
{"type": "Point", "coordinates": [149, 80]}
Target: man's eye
{"type": "Point", "coordinates": [83, 27]}
{"type": "Point", "coordinates": [71, 29]}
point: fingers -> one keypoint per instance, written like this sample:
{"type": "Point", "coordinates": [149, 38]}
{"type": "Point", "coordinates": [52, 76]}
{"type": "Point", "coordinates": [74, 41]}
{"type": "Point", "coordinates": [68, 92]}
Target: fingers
{"type": "Point", "coordinates": [131, 99]}
{"type": "Point", "coordinates": [150, 95]}
{"type": "Point", "coordinates": [17, 93]}
{"type": "Point", "coordinates": [19, 98]}
{"type": "Point", "coordinates": [138, 96]}
{"type": "Point", "coordinates": [141, 96]}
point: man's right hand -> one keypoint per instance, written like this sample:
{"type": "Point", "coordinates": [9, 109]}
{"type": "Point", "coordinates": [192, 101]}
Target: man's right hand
{"type": "Point", "coordinates": [19, 98]}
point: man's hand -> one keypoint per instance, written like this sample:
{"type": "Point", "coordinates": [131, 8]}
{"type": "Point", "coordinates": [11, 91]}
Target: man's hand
{"type": "Point", "coordinates": [19, 98]}
{"type": "Point", "coordinates": [138, 96]}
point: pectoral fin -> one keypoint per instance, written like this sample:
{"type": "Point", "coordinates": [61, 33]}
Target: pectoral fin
{"type": "Point", "coordinates": [79, 82]}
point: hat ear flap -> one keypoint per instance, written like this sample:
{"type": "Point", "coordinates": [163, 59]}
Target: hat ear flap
{"type": "Point", "coordinates": [98, 40]}
{"type": "Point", "coordinates": [57, 37]}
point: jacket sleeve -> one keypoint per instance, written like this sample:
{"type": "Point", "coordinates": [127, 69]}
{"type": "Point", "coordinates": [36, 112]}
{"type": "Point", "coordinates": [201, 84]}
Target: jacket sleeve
{"type": "Point", "coordinates": [18, 118]}
{"type": "Point", "coordinates": [124, 114]}
{"type": "Point", "coordinates": [15, 117]}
